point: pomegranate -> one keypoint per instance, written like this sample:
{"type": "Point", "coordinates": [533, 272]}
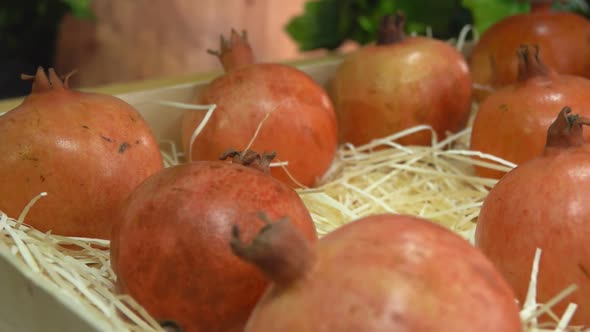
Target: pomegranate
{"type": "Point", "coordinates": [512, 122]}
{"type": "Point", "coordinates": [379, 273]}
{"type": "Point", "coordinates": [301, 126]}
{"type": "Point", "coordinates": [88, 151]}
{"type": "Point", "coordinates": [170, 249]}
{"type": "Point", "coordinates": [544, 203]}
{"type": "Point", "coordinates": [401, 82]}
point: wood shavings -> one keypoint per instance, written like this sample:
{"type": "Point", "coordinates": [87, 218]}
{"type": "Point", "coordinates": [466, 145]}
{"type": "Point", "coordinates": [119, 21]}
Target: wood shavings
{"type": "Point", "coordinates": [199, 108]}
{"type": "Point", "coordinates": [532, 310]}
{"type": "Point", "coordinates": [79, 267]}
{"type": "Point", "coordinates": [430, 182]}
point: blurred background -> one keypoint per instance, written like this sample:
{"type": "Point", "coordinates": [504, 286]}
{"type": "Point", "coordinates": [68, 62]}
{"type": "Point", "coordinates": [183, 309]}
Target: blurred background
{"type": "Point", "coordinates": [115, 41]}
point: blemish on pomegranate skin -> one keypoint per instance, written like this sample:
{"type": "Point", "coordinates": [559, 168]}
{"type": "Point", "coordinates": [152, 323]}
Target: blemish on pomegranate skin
{"type": "Point", "coordinates": [170, 326]}
{"type": "Point", "coordinates": [584, 270]}
{"type": "Point", "coordinates": [396, 317]}
{"type": "Point", "coordinates": [85, 127]}
{"type": "Point", "coordinates": [123, 147]}
{"type": "Point", "coordinates": [42, 178]}
{"type": "Point", "coordinates": [280, 190]}
{"type": "Point", "coordinates": [108, 139]}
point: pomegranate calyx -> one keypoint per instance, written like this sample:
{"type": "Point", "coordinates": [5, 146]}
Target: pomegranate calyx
{"type": "Point", "coordinates": [391, 29]}
{"type": "Point", "coordinates": [530, 64]}
{"type": "Point", "coordinates": [279, 250]}
{"type": "Point", "coordinates": [566, 131]}
{"type": "Point", "coordinates": [539, 5]}
{"type": "Point", "coordinates": [250, 158]}
{"type": "Point", "coordinates": [234, 52]}
{"type": "Point", "coordinates": [43, 82]}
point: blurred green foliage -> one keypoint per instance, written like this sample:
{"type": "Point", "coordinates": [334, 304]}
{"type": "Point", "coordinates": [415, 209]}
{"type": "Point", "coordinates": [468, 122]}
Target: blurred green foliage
{"type": "Point", "coordinates": [329, 23]}
{"type": "Point", "coordinates": [80, 8]}
{"type": "Point", "coordinates": [488, 12]}
{"type": "Point", "coordinates": [485, 12]}
{"type": "Point", "coordinates": [28, 28]}
{"type": "Point", "coordinates": [28, 32]}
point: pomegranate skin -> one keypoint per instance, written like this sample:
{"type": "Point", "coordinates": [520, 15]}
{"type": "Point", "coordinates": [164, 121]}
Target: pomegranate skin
{"type": "Point", "coordinates": [171, 251]}
{"type": "Point", "coordinates": [383, 89]}
{"type": "Point", "coordinates": [543, 203]}
{"type": "Point", "coordinates": [391, 273]}
{"type": "Point", "coordinates": [87, 151]}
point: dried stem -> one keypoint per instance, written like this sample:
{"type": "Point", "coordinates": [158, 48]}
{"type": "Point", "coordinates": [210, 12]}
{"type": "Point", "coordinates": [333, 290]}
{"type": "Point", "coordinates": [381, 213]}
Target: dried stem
{"type": "Point", "coordinates": [538, 5]}
{"type": "Point", "coordinates": [250, 158]}
{"type": "Point", "coordinates": [566, 131]}
{"type": "Point", "coordinates": [391, 30]}
{"type": "Point", "coordinates": [279, 250]}
{"type": "Point", "coordinates": [530, 64]}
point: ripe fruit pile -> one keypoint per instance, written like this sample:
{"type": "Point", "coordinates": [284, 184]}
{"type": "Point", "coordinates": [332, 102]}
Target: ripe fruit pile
{"type": "Point", "coordinates": [224, 242]}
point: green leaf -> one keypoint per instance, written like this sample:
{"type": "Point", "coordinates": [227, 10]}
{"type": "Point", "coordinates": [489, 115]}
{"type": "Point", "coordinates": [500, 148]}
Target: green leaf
{"type": "Point", "coordinates": [578, 6]}
{"type": "Point", "coordinates": [319, 27]}
{"type": "Point", "coordinates": [487, 12]}
{"type": "Point", "coordinates": [423, 13]}
{"type": "Point", "coordinates": [328, 23]}
{"type": "Point", "coordinates": [80, 8]}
